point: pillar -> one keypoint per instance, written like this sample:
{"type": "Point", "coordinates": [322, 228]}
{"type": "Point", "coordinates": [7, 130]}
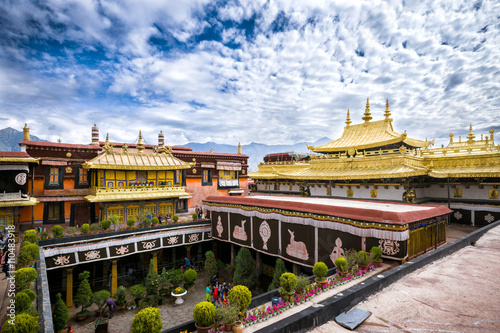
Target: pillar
{"type": "Point", "coordinates": [114, 276]}
{"type": "Point", "coordinates": [155, 260]}
{"type": "Point", "coordinates": [233, 253]}
{"type": "Point", "coordinates": [69, 287]}
{"type": "Point", "coordinates": [295, 269]}
{"type": "Point", "coordinates": [258, 263]}
{"type": "Point", "coordinates": [188, 252]}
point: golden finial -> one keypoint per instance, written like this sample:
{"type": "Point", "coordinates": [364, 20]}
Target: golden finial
{"type": "Point", "coordinates": [140, 143]}
{"type": "Point", "coordinates": [26, 132]}
{"type": "Point", "coordinates": [211, 150]}
{"type": "Point", "coordinates": [471, 136]}
{"type": "Point", "coordinates": [387, 113]}
{"type": "Point", "coordinates": [239, 148]}
{"type": "Point", "coordinates": [107, 147]}
{"type": "Point", "coordinates": [491, 135]}
{"type": "Point", "coordinates": [348, 120]}
{"type": "Point", "coordinates": [155, 149]}
{"type": "Point", "coordinates": [451, 138]}
{"type": "Point", "coordinates": [125, 148]}
{"type": "Point", "coordinates": [367, 116]}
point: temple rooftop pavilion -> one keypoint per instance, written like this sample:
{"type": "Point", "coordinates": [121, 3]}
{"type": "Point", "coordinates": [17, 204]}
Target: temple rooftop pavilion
{"type": "Point", "coordinates": [304, 230]}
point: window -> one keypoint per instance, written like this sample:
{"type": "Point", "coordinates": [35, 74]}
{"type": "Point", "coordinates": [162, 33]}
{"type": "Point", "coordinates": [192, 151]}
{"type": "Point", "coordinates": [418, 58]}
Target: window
{"type": "Point", "coordinates": [177, 177]}
{"type": "Point", "coordinates": [228, 178]}
{"type": "Point", "coordinates": [53, 213]}
{"type": "Point", "coordinates": [115, 211]}
{"type": "Point", "coordinates": [206, 177]}
{"type": "Point", "coordinates": [6, 220]}
{"type": "Point", "coordinates": [53, 177]}
{"type": "Point", "coordinates": [81, 177]}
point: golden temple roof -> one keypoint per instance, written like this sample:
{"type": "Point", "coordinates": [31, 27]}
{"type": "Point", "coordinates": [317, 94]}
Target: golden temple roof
{"type": "Point", "coordinates": [369, 134]}
{"type": "Point", "coordinates": [17, 203]}
{"type": "Point", "coordinates": [125, 194]}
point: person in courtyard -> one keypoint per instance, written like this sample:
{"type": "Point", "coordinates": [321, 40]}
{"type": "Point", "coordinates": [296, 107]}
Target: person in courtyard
{"type": "Point", "coordinates": [112, 307]}
{"type": "Point", "coordinates": [214, 280]}
{"type": "Point", "coordinates": [187, 263]}
{"type": "Point", "coordinates": [5, 263]}
{"type": "Point", "coordinates": [215, 295]}
{"type": "Point", "coordinates": [208, 293]}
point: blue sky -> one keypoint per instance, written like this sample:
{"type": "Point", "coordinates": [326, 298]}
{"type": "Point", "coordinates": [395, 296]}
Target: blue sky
{"type": "Point", "coordinates": [275, 72]}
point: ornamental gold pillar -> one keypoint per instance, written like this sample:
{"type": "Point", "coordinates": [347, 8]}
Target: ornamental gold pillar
{"type": "Point", "coordinates": [69, 287]}
{"type": "Point", "coordinates": [114, 276]}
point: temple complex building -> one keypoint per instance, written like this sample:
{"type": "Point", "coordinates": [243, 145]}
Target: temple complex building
{"type": "Point", "coordinates": [372, 161]}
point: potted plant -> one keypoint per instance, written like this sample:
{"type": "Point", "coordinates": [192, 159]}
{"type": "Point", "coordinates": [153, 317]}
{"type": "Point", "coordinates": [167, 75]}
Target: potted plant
{"type": "Point", "coordinates": [155, 221]}
{"type": "Point", "coordinates": [227, 315]}
{"type": "Point", "coordinates": [240, 296]}
{"type": "Point", "coordinates": [204, 316]}
{"type": "Point", "coordinates": [376, 254]}
{"type": "Point", "coordinates": [341, 265]}
{"type": "Point", "coordinates": [175, 218]}
{"type": "Point", "coordinates": [131, 305]}
{"type": "Point", "coordinates": [121, 297]}
{"type": "Point", "coordinates": [137, 292]}
{"type": "Point", "coordinates": [83, 296]}
{"type": "Point", "coordinates": [320, 270]}
{"type": "Point", "coordinates": [288, 282]}
{"type": "Point", "coordinates": [190, 277]}
{"type": "Point", "coordinates": [302, 282]}
{"type": "Point", "coordinates": [130, 222]}
{"type": "Point", "coordinates": [100, 297]}
{"type": "Point", "coordinates": [114, 219]}
{"type": "Point", "coordinates": [363, 259]}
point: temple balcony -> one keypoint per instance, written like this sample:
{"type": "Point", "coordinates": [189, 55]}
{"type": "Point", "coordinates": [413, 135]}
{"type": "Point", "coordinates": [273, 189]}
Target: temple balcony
{"type": "Point", "coordinates": [137, 191]}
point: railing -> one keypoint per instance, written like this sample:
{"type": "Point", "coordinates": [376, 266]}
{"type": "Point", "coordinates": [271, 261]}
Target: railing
{"type": "Point", "coordinates": [134, 189]}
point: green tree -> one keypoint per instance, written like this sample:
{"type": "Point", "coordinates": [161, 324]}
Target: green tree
{"type": "Point", "coordinates": [100, 297]}
{"type": "Point", "coordinates": [279, 269]}
{"type": "Point", "coordinates": [84, 294]}
{"type": "Point", "coordinates": [60, 314]}
{"type": "Point", "coordinates": [148, 320]}
{"type": "Point", "coordinates": [152, 280]}
{"type": "Point", "coordinates": [246, 272]}
{"type": "Point", "coordinates": [210, 263]}
{"type": "Point", "coordinates": [23, 323]}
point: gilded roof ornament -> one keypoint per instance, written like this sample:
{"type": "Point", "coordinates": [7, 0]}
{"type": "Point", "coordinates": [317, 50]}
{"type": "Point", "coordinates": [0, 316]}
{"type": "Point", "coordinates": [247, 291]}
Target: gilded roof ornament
{"type": "Point", "coordinates": [451, 137]}
{"type": "Point", "coordinates": [367, 116]}
{"type": "Point", "coordinates": [155, 149]}
{"type": "Point", "coordinates": [239, 148]}
{"type": "Point", "coordinates": [471, 136]}
{"type": "Point", "coordinates": [387, 112]}
{"type": "Point", "coordinates": [140, 143]}
{"type": "Point", "coordinates": [491, 136]}
{"type": "Point", "coordinates": [125, 148]}
{"type": "Point", "coordinates": [107, 147]}
{"type": "Point", "coordinates": [348, 120]}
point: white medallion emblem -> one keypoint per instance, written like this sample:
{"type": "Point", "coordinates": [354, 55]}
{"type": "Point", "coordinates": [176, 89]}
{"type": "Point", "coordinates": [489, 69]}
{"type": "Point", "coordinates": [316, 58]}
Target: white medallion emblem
{"type": "Point", "coordinates": [194, 237]}
{"type": "Point", "coordinates": [21, 178]}
{"type": "Point", "coordinates": [93, 254]}
{"type": "Point", "coordinates": [389, 247]}
{"type": "Point", "coordinates": [121, 250]}
{"type": "Point", "coordinates": [61, 260]}
{"type": "Point", "coordinates": [265, 233]}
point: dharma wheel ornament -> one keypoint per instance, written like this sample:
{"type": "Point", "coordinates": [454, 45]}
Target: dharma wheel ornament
{"type": "Point", "coordinates": [265, 233]}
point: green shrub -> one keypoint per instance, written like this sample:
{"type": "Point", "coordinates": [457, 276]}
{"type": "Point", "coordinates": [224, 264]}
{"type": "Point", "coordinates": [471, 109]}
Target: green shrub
{"type": "Point", "coordinates": [320, 270]}
{"type": "Point", "coordinates": [240, 296]}
{"type": "Point", "coordinates": [137, 291]}
{"type": "Point", "coordinates": [376, 253]}
{"type": "Point", "coordinates": [302, 282]}
{"type": "Point", "coordinates": [105, 224]}
{"type": "Point", "coordinates": [95, 227]}
{"type": "Point", "coordinates": [364, 259]}
{"type": "Point", "coordinates": [176, 277]}
{"type": "Point", "coordinates": [288, 281]}
{"type": "Point", "coordinates": [57, 231]}
{"type": "Point", "coordinates": [60, 315]}
{"type": "Point", "coordinates": [155, 221]}
{"type": "Point", "coordinates": [30, 293]}
{"type": "Point", "coordinates": [121, 295]}
{"type": "Point", "coordinates": [71, 230]}
{"type": "Point", "coordinates": [146, 223]}
{"type": "Point", "coordinates": [24, 277]}
{"type": "Point", "coordinates": [130, 222]}
{"type": "Point", "coordinates": [30, 231]}
{"type": "Point", "coordinates": [32, 249]}
{"type": "Point", "coordinates": [44, 235]}
{"type": "Point", "coordinates": [23, 323]}
{"type": "Point", "coordinates": [175, 218]}
{"type": "Point", "coordinates": [114, 219]}
{"type": "Point", "coordinates": [84, 294]}
{"type": "Point", "coordinates": [100, 297]}
{"type": "Point", "coordinates": [24, 259]}
{"type": "Point", "coordinates": [190, 276]}
{"type": "Point", "coordinates": [85, 229]}
{"type": "Point", "coordinates": [152, 279]}
{"type": "Point", "coordinates": [30, 237]}
{"type": "Point", "coordinates": [195, 216]}
{"type": "Point", "coordinates": [245, 273]}
{"type": "Point", "coordinates": [279, 269]}
{"type": "Point", "coordinates": [22, 301]}
{"type": "Point", "coordinates": [352, 258]}
{"type": "Point", "coordinates": [147, 320]}
{"type": "Point", "coordinates": [25, 243]}
{"type": "Point", "coordinates": [204, 314]}
{"type": "Point", "coordinates": [341, 264]}
{"type": "Point", "coordinates": [210, 264]}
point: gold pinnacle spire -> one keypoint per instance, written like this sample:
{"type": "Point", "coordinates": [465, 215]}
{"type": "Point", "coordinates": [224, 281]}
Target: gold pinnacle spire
{"type": "Point", "coordinates": [140, 143]}
{"type": "Point", "coordinates": [348, 120]}
{"type": "Point", "coordinates": [387, 112]}
{"type": "Point", "coordinates": [26, 132]}
{"type": "Point", "coordinates": [471, 136]}
{"type": "Point", "coordinates": [239, 148]}
{"type": "Point", "coordinates": [107, 147]}
{"type": "Point", "coordinates": [367, 116]}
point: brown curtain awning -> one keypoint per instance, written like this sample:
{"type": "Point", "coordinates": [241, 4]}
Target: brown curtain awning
{"type": "Point", "coordinates": [234, 166]}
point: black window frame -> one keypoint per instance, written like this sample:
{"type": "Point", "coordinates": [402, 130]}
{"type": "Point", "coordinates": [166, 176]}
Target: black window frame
{"type": "Point", "coordinates": [60, 184]}
{"type": "Point", "coordinates": [61, 219]}
{"type": "Point", "coordinates": [77, 178]}
{"type": "Point", "coordinates": [210, 177]}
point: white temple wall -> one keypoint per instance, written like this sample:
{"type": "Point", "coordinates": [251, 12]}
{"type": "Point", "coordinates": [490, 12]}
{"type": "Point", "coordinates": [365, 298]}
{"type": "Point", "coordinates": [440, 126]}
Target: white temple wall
{"type": "Point", "coordinates": [473, 192]}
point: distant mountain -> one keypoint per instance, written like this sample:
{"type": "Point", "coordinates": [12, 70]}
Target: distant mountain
{"type": "Point", "coordinates": [255, 151]}
{"type": "Point", "coordinates": [10, 138]}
